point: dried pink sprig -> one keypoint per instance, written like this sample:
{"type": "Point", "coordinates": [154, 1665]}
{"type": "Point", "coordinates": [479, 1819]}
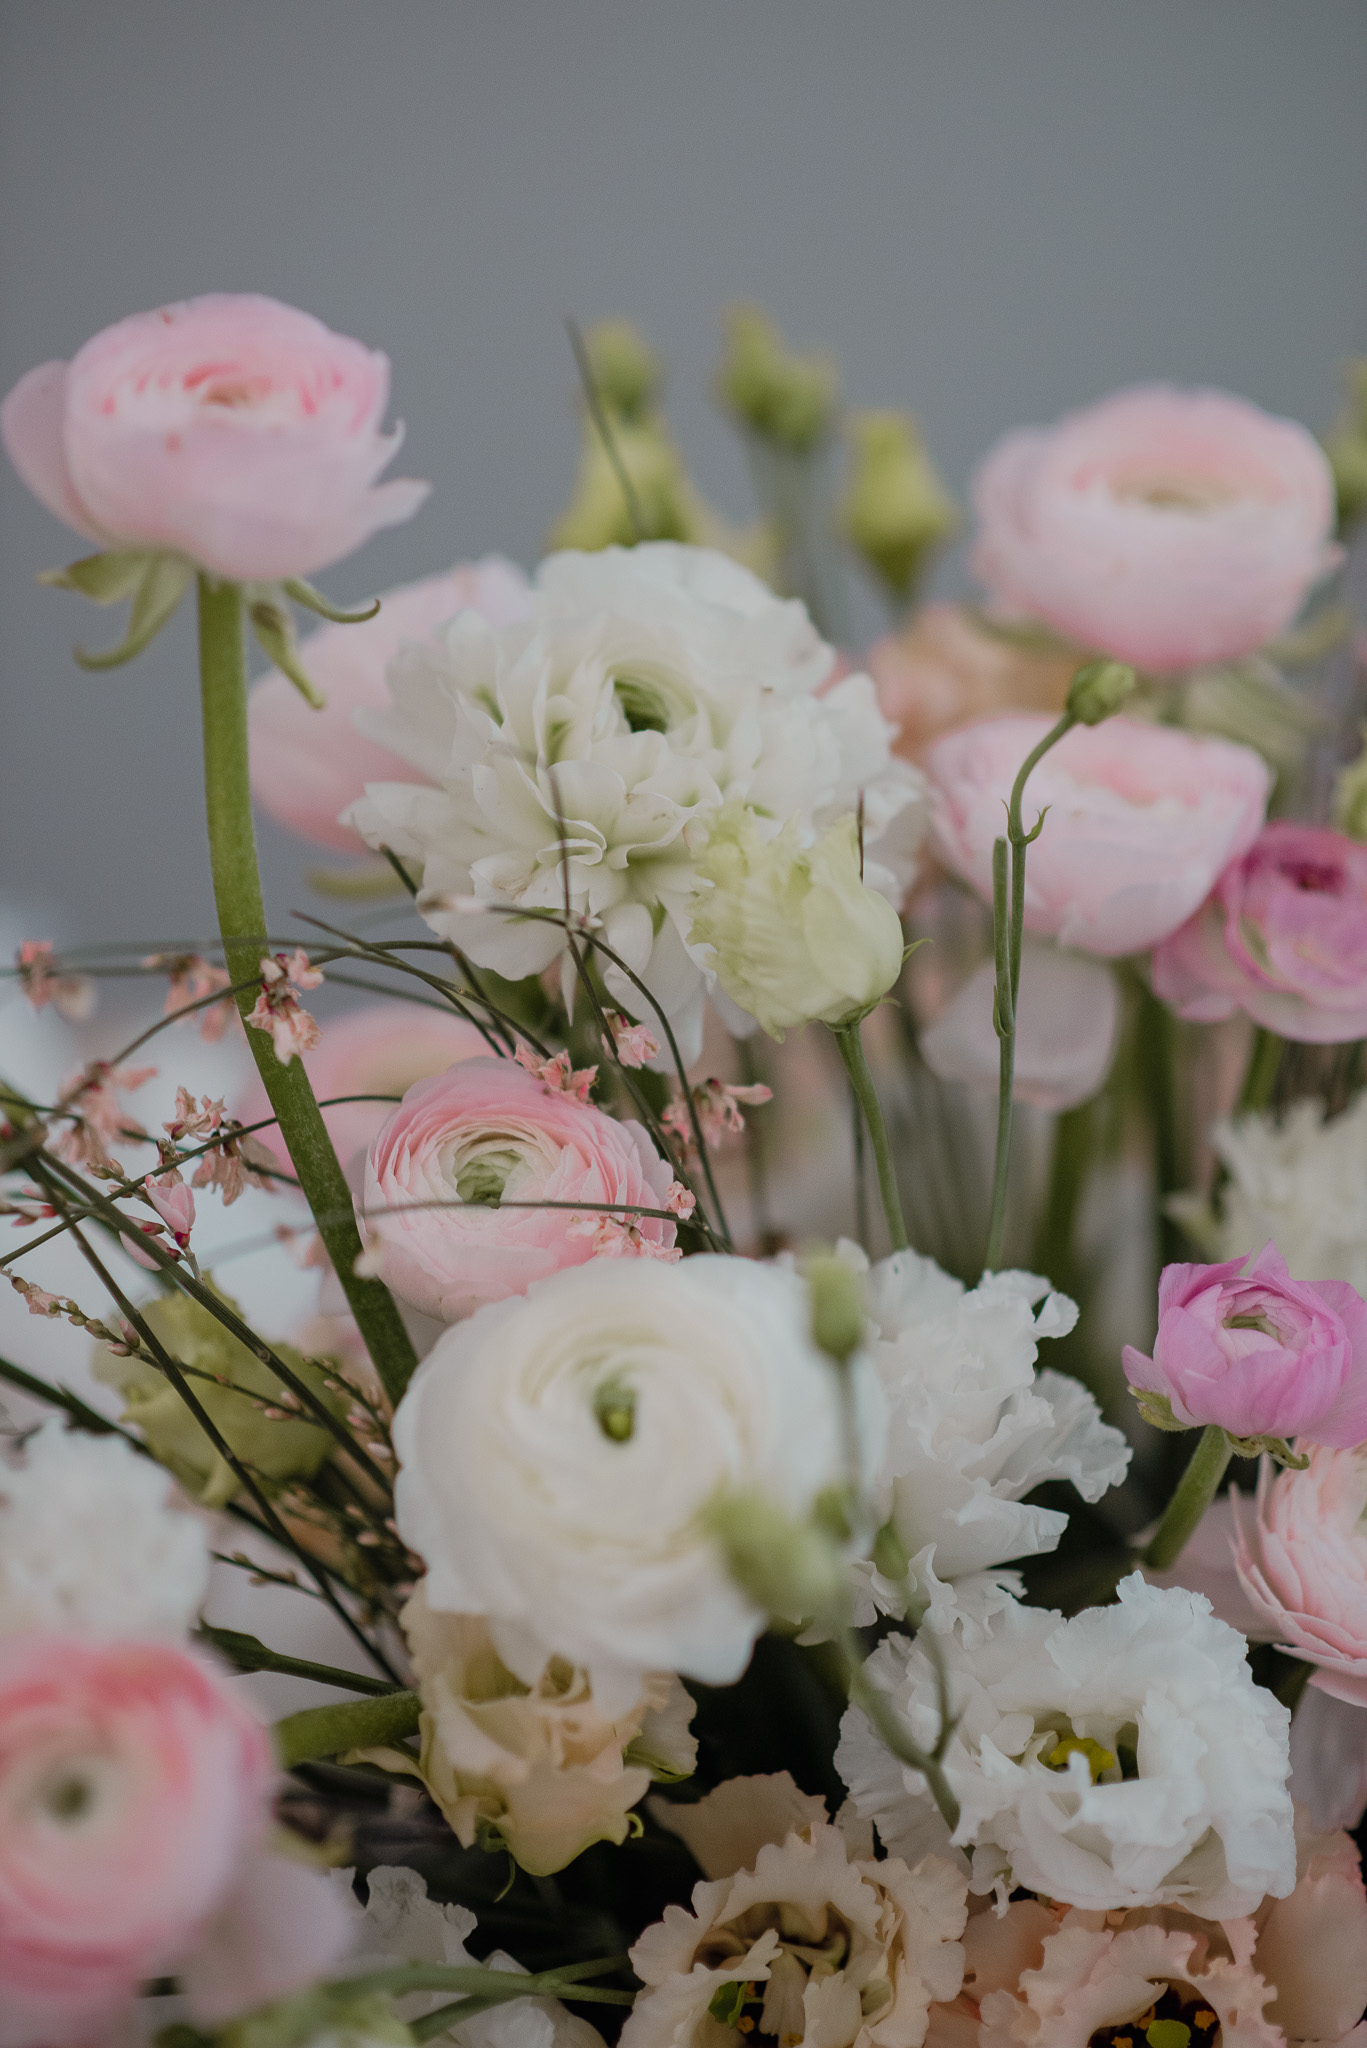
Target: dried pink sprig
{"type": "Point", "coordinates": [617, 1237]}
{"type": "Point", "coordinates": [278, 1009]}
{"type": "Point", "coordinates": [558, 1072]}
{"type": "Point", "coordinates": [71, 995]}
{"type": "Point", "coordinates": [718, 1104]}
{"type": "Point", "coordinates": [98, 1118]}
{"type": "Point", "coordinates": [632, 1045]}
{"type": "Point", "coordinates": [193, 979]}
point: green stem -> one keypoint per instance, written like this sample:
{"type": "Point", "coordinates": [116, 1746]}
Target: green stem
{"type": "Point", "coordinates": [317, 1732]}
{"type": "Point", "coordinates": [1068, 1169]}
{"type": "Point", "coordinates": [847, 1037]}
{"type": "Point", "coordinates": [1156, 1061]}
{"type": "Point", "coordinates": [1261, 1076]}
{"type": "Point", "coordinates": [1195, 1491]}
{"type": "Point", "coordinates": [242, 921]}
{"type": "Point", "coordinates": [246, 1653]}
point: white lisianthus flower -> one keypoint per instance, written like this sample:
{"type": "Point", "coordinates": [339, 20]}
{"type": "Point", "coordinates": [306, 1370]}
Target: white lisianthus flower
{"type": "Point", "coordinates": [561, 1454]}
{"type": "Point", "coordinates": [91, 1541]}
{"type": "Point", "coordinates": [824, 1948]}
{"type": "Point", "coordinates": [1299, 1179]}
{"type": "Point", "coordinates": [972, 1428]}
{"type": "Point", "coordinates": [586, 751]}
{"type": "Point", "coordinates": [794, 934]}
{"type": "Point", "coordinates": [1123, 1758]}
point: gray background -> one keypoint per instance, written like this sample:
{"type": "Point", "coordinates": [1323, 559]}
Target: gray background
{"type": "Point", "coordinates": [991, 209]}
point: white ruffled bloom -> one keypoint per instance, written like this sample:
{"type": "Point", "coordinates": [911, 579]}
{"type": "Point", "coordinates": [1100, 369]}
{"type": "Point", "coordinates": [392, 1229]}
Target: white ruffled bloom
{"type": "Point", "coordinates": [90, 1541]}
{"type": "Point", "coordinates": [972, 1428]}
{"type": "Point", "coordinates": [837, 1951]}
{"type": "Point", "coordinates": [560, 1453]}
{"type": "Point", "coordinates": [1300, 1180]}
{"type": "Point", "coordinates": [1123, 1758]}
{"type": "Point", "coordinates": [650, 686]}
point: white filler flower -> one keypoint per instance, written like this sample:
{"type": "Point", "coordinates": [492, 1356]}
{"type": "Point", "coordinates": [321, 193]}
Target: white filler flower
{"type": "Point", "coordinates": [587, 749]}
{"type": "Point", "coordinates": [559, 1455]}
{"type": "Point", "coordinates": [973, 1428]}
{"type": "Point", "coordinates": [1123, 1758]}
{"type": "Point", "coordinates": [90, 1541]}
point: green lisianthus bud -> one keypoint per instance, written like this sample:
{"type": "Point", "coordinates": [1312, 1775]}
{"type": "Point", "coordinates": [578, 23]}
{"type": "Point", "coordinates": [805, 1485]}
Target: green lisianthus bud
{"type": "Point", "coordinates": [896, 509]}
{"type": "Point", "coordinates": [1098, 689]}
{"type": "Point", "coordinates": [837, 1298]}
{"type": "Point", "coordinates": [626, 370]}
{"type": "Point", "coordinates": [233, 1398]}
{"type": "Point", "coordinates": [779, 397]}
{"type": "Point", "coordinates": [1350, 795]}
{"type": "Point", "coordinates": [792, 1569]}
{"type": "Point", "coordinates": [796, 934]}
{"type": "Point", "coordinates": [669, 508]}
{"type": "Point", "coordinates": [1346, 447]}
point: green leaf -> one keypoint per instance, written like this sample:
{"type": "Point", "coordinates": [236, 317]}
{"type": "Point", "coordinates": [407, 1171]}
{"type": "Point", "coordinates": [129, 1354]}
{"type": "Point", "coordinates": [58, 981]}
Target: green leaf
{"type": "Point", "coordinates": [246, 1653]}
{"type": "Point", "coordinates": [355, 1724]}
{"type": "Point", "coordinates": [274, 629]}
{"type": "Point", "coordinates": [107, 577]}
{"type": "Point", "coordinates": [313, 601]}
{"type": "Point", "coordinates": [165, 580]}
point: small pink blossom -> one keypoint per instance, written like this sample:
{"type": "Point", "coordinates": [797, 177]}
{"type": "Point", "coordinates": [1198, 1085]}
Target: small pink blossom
{"type": "Point", "coordinates": [192, 980]}
{"type": "Point", "coordinates": [40, 1302]}
{"type": "Point", "coordinates": [99, 1119]}
{"type": "Point", "coordinates": [558, 1072]}
{"type": "Point", "coordinates": [193, 1120]}
{"type": "Point", "coordinates": [680, 1201]}
{"type": "Point", "coordinates": [71, 995]}
{"type": "Point", "coordinates": [718, 1107]}
{"type": "Point", "coordinates": [1282, 937]}
{"type": "Point", "coordinates": [1258, 1353]}
{"type": "Point", "coordinates": [229, 429]}
{"type": "Point", "coordinates": [239, 1161]}
{"type": "Point", "coordinates": [633, 1045]}
{"type": "Point", "coordinates": [278, 1009]}
{"type": "Point", "coordinates": [174, 1203]}
{"type": "Point", "coordinates": [618, 1237]}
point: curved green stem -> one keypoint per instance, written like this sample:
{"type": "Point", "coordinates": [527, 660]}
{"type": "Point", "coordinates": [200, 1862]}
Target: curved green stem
{"type": "Point", "coordinates": [1195, 1491]}
{"type": "Point", "coordinates": [242, 921]}
{"type": "Point", "coordinates": [848, 1038]}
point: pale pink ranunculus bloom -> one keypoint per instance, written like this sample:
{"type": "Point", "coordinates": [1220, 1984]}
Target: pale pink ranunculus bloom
{"type": "Point", "coordinates": [134, 1795]}
{"type": "Point", "coordinates": [488, 1133]}
{"type": "Point", "coordinates": [380, 1049]}
{"type": "Point", "coordinates": [1283, 937]}
{"type": "Point", "coordinates": [1301, 1557]}
{"type": "Point", "coordinates": [1164, 527]}
{"type": "Point", "coordinates": [307, 765]}
{"type": "Point", "coordinates": [230, 429]}
{"type": "Point", "coordinates": [1067, 1023]}
{"type": "Point", "coordinates": [1244, 1346]}
{"type": "Point", "coordinates": [1141, 821]}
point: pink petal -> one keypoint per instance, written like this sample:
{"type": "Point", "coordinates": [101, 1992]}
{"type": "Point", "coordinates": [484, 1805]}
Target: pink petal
{"type": "Point", "coordinates": [283, 1927]}
{"type": "Point", "coordinates": [32, 421]}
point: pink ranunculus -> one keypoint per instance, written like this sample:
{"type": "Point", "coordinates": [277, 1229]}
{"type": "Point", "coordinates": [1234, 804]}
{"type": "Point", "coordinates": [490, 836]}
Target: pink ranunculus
{"type": "Point", "coordinates": [1068, 1020]}
{"type": "Point", "coordinates": [1163, 527]}
{"type": "Point", "coordinates": [307, 765]}
{"type": "Point", "coordinates": [379, 1049]}
{"type": "Point", "coordinates": [230, 429]}
{"type": "Point", "coordinates": [1302, 1561]}
{"type": "Point", "coordinates": [132, 1786]}
{"type": "Point", "coordinates": [488, 1133]}
{"type": "Point", "coordinates": [1141, 820]}
{"type": "Point", "coordinates": [1258, 1353]}
{"type": "Point", "coordinates": [1282, 937]}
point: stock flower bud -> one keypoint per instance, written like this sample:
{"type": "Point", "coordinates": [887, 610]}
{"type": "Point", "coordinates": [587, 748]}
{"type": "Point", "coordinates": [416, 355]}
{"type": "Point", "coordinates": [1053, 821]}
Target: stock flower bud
{"type": "Point", "coordinates": [797, 936]}
{"type": "Point", "coordinates": [896, 509]}
{"type": "Point", "coordinates": [1098, 689]}
{"type": "Point", "coordinates": [786, 400]}
{"type": "Point", "coordinates": [838, 1313]}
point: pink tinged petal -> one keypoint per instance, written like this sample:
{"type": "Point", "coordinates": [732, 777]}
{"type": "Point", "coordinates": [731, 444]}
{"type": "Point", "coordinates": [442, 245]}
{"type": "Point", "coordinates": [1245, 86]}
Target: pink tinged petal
{"type": "Point", "coordinates": [1329, 1758]}
{"type": "Point", "coordinates": [32, 425]}
{"type": "Point", "coordinates": [282, 1927]}
{"type": "Point", "coordinates": [1068, 1019]}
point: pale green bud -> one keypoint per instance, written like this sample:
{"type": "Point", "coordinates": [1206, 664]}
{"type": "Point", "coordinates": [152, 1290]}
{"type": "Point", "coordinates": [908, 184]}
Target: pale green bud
{"type": "Point", "coordinates": [791, 1569]}
{"type": "Point", "coordinates": [779, 397]}
{"type": "Point", "coordinates": [1098, 689]}
{"type": "Point", "coordinates": [837, 1297]}
{"type": "Point", "coordinates": [797, 936]}
{"type": "Point", "coordinates": [627, 372]}
{"type": "Point", "coordinates": [1346, 447]}
{"type": "Point", "coordinates": [895, 509]}
{"type": "Point", "coordinates": [598, 514]}
{"type": "Point", "coordinates": [1350, 795]}
{"type": "Point", "coordinates": [279, 1449]}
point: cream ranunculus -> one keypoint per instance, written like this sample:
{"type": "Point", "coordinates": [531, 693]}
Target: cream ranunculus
{"type": "Point", "coordinates": [826, 1948]}
{"type": "Point", "coordinates": [561, 1453]}
{"type": "Point", "coordinates": [539, 1768]}
{"type": "Point", "coordinates": [796, 935]}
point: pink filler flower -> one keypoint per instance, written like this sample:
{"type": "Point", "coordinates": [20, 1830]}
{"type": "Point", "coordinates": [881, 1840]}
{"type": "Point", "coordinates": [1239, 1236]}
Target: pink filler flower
{"type": "Point", "coordinates": [229, 429]}
{"type": "Point", "coordinates": [1164, 527]}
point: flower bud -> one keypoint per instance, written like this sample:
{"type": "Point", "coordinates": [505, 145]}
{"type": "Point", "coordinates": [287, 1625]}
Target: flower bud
{"type": "Point", "coordinates": [1098, 689]}
{"type": "Point", "coordinates": [837, 1298]}
{"type": "Point", "coordinates": [797, 935]}
{"type": "Point", "coordinates": [1350, 795]}
{"type": "Point", "coordinates": [789, 1568]}
{"type": "Point", "coordinates": [779, 397]}
{"type": "Point", "coordinates": [665, 503]}
{"type": "Point", "coordinates": [1346, 447]}
{"type": "Point", "coordinates": [896, 509]}
{"type": "Point", "coordinates": [626, 370]}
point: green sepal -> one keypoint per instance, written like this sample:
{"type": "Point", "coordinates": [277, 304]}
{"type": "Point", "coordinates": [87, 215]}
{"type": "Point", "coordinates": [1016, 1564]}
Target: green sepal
{"type": "Point", "coordinates": [274, 629]}
{"type": "Point", "coordinates": [106, 578]}
{"type": "Point", "coordinates": [1271, 1446]}
{"type": "Point", "coordinates": [313, 601]}
{"type": "Point", "coordinates": [1156, 1410]}
{"type": "Point", "coordinates": [164, 584]}
{"type": "Point", "coordinates": [728, 2002]}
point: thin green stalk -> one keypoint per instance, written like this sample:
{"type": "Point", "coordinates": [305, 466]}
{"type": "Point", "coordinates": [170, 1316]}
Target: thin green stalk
{"type": "Point", "coordinates": [1261, 1076]}
{"type": "Point", "coordinates": [242, 920]}
{"type": "Point", "coordinates": [851, 1044]}
{"type": "Point", "coordinates": [1195, 1491]}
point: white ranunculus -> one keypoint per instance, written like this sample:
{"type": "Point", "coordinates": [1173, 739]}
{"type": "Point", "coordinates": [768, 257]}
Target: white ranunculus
{"type": "Point", "coordinates": [973, 1428]}
{"type": "Point", "coordinates": [650, 686]}
{"type": "Point", "coordinates": [559, 1455]}
{"type": "Point", "coordinates": [90, 1541]}
{"type": "Point", "coordinates": [1123, 1758]}
{"type": "Point", "coordinates": [1299, 1179]}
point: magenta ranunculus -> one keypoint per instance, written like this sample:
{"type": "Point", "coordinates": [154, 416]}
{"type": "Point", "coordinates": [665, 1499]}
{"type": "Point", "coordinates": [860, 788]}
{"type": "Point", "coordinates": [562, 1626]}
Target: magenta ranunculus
{"type": "Point", "coordinates": [232, 430]}
{"type": "Point", "coordinates": [1283, 937]}
{"type": "Point", "coordinates": [1142, 819]}
{"type": "Point", "coordinates": [307, 765]}
{"type": "Point", "coordinates": [1302, 1562]}
{"type": "Point", "coordinates": [480, 1138]}
{"type": "Point", "coordinates": [1258, 1353]}
{"type": "Point", "coordinates": [1164, 527]}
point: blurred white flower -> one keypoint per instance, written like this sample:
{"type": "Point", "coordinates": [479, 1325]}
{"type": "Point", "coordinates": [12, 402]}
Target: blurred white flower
{"type": "Point", "coordinates": [585, 751]}
{"type": "Point", "coordinates": [1067, 1023]}
{"type": "Point", "coordinates": [91, 1541]}
{"type": "Point", "coordinates": [1123, 1758]}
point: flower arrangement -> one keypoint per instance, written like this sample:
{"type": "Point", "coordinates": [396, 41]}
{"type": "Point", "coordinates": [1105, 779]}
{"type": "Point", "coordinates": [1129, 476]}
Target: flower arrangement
{"type": "Point", "coordinates": [737, 1626]}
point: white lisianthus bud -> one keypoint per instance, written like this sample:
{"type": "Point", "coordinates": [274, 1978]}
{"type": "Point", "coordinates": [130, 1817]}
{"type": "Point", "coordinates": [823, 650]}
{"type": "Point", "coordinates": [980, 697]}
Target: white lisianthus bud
{"type": "Point", "coordinates": [797, 936]}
